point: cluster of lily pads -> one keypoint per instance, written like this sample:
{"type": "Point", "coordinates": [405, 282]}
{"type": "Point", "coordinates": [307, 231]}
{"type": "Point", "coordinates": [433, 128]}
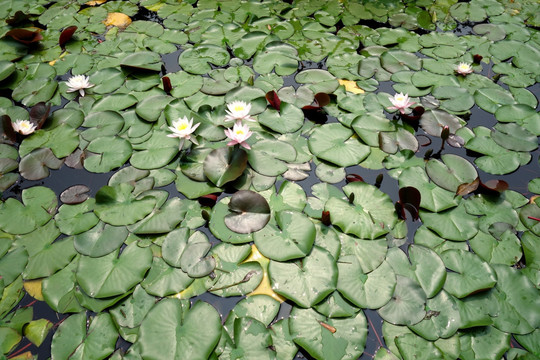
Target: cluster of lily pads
{"type": "Point", "coordinates": [209, 119]}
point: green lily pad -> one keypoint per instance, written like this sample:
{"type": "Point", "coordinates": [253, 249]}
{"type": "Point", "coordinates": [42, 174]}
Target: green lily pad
{"type": "Point", "coordinates": [6, 69]}
{"type": "Point", "coordinates": [432, 197]}
{"type": "Point", "coordinates": [260, 307]}
{"type": "Point", "coordinates": [401, 139]}
{"type": "Point", "coordinates": [12, 264]}
{"type": "Point", "coordinates": [145, 60]}
{"type": "Point", "coordinates": [498, 160]}
{"type": "Point", "coordinates": [100, 240]}
{"type": "Point", "coordinates": [370, 215]}
{"type": "Point", "coordinates": [162, 219]}
{"type": "Point", "coordinates": [36, 165]}
{"type": "Point", "coordinates": [517, 300]}
{"type": "Point", "coordinates": [292, 238]}
{"type": "Point", "coordinates": [443, 318]}
{"type": "Point", "coordinates": [32, 91]}
{"type": "Point", "coordinates": [329, 339]}
{"type": "Point", "coordinates": [288, 119]}
{"type": "Point", "coordinates": [428, 268]}
{"type": "Point", "coordinates": [336, 306]}
{"type": "Point", "coordinates": [75, 219]}
{"type": "Point", "coordinates": [102, 277]}
{"type": "Point", "coordinates": [451, 172]}
{"type": "Point", "coordinates": [277, 56]}
{"type": "Point", "coordinates": [37, 330]}
{"type": "Point", "coordinates": [414, 347]}
{"type": "Point", "coordinates": [249, 212]}
{"type": "Point", "coordinates": [399, 60]}
{"type": "Point", "coordinates": [164, 280]}
{"type": "Point", "coordinates": [62, 140]}
{"type": "Point", "coordinates": [38, 204]}
{"type": "Point", "coordinates": [173, 330]}
{"type": "Point", "coordinates": [220, 230]}
{"type": "Point", "coordinates": [154, 153]}
{"type": "Point", "coordinates": [47, 255]}
{"type": "Point", "coordinates": [225, 164]}
{"type": "Point", "coordinates": [317, 80]}
{"type": "Point", "coordinates": [337, 144]}
{"type": "Point", "coordinates": [107, 153]}
{"type": "Point", "coordinates": [407, 305]}
{"type": "Point", "coordinates": [114, 102]}
{"type": "Point", "coordinates": [514, 137]}
{"type": "Point", "coordinates": [267, 157]}
{"type": "Point", "coordinates": [131, 312]}
{"type": "Point", "coordinates": [470, 274]}
{"type": "Point", "coordinates": [102, 123]}
{"type": "Point", "coordinates": [453, 224]}
{"type": "Point", "coordinates": [505, 249]}
{"type": "Point", "coordinates": [297, 280]}
{"type": "Point", "coordinates": [366, 290]}
{"type": "Point", "coordinates": [433, 121]}
{"type": "Point", "coordinates": [150, 107]}
{"type": "Point", "coordinates": [490, 99]}
{"type": "Point", "coordinates": [236, 277]}
{"type": "Point", "coordinates": [197, 60]}
{"type": "Point", "coordinates": [368, 127]}
{"type": "Point", "coordinates": [59, 289]}
{"type": "Point", "coordinates": [484, 340]}
{"type": "Point", "coordinates": [74, 338]}
{"type": "Point", "coordinates": [250, 338]}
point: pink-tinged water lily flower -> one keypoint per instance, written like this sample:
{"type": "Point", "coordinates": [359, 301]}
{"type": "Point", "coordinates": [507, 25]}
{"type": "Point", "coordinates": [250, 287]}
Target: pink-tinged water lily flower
{"type": "Point", "coordinates": [183, 128]}
{"type": "Point", "coordinates": [464, 69]}
{"type": "Point", "coordinates": [78, 83]}
{"type": "Point", "coordinates": [24, 127]}
{"type": "Point", "coordinates": [400, 102]}
{"type": "Point", "coordinates": [238, 111]}
{"type": "Point", "coordinates": [238, 135]}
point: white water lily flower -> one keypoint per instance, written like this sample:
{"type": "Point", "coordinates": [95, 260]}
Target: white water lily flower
{"type": "Point", "coordinates": [24, 127]}
{"type": "Point", "coordinates": [400, 102]}
{"type": "Point", "coordinates": [238, 111]}
{"type": "Point", "coordinates": [464, 69]}
{"type": "Point", "coordinates": [238, 135]}
{"type": "Point", "coordinates": [183, 128]}
{"type": "Point", "coordinates": [78, 83]}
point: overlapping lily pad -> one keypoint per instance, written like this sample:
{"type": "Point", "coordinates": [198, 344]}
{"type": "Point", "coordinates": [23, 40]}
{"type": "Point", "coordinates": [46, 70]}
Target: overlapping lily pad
{"type": "Point", "coordinates": [464, 289]}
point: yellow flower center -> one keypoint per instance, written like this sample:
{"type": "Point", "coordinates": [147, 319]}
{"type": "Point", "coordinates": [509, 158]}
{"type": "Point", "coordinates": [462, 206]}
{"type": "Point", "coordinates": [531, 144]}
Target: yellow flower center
{"type": "Point", "coordinates": [25, 125]}
{"type": "Point", "coordinates": [239, 108]}
{"type": "Point", "coordinates": [239, 132]}
{"type": "Point", "coordinates": [400, 98]}
{"type": "Point", "coordinates": [182, 126]}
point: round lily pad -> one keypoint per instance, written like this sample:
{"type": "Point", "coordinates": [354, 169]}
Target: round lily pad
{"type": "Point", "coordinates": [407, 305]}
{"type": "Point", "coordinates": [249, 212]}
{"type": "Point", "coordinates": [292, 238]}
{"type": "Point", "coordinates": [336, 144]}
{"type": "Point", "coordinates": [297, 280]}
{"type": "Point", "coordinates": [329, 339]}
{"type": "Point", "coordinates": [101, 277]}
{"type": "Point", "coordinates": [451, 172]}
{"type": "Point", "coordinates": [173, 330]}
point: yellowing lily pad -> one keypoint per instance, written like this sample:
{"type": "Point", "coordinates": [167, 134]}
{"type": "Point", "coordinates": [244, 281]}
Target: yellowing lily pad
{"type": "Point", "coordinates": [33, 288]}
{"type": "Point", "coordinates": [119, 20]}
{"type": "Point", "coordinates": [351, 86]}
{"type": "Point", "coordinates": [264, 287]}
{"type": "Point", "coordinates": [95, 2]}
